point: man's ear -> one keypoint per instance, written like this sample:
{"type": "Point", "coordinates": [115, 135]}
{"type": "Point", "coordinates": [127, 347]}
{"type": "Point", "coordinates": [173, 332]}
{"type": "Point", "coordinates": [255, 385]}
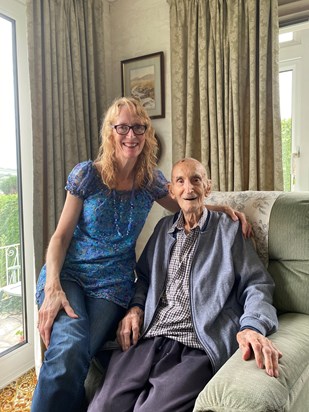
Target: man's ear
{"type": "Point", "coordinates": [207, 187]}
{"type": "Point", "coordinates": [170, 190]}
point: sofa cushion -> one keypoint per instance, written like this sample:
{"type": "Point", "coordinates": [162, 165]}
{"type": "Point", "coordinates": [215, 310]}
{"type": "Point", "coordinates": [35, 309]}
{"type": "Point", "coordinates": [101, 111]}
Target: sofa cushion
{"type": "Point", "coordinates": [289, 251]}
{"type": "Point", "coordinates": [257, 207]}
{"type": "Point", "coordinates": [239, 386]}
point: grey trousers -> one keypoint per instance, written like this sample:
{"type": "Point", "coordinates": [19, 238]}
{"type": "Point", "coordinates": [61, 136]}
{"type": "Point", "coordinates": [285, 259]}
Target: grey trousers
{"type": "Point", "coordinates": [158, 374]}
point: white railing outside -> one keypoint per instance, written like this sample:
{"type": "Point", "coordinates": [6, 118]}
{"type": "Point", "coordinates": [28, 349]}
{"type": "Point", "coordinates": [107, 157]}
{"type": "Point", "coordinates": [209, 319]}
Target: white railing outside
{"type": "Point", "coordinates": [11, 255]}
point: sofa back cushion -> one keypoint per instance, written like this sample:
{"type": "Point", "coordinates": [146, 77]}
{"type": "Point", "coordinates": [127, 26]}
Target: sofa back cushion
{"type": "Point", "coordinates": [289, 251]}
{"type": "Point", "coordinates": [256, 205]}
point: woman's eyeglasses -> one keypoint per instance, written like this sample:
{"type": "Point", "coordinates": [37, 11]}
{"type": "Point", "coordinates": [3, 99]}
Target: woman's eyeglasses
{"type": "Point", "coordinates": [123, 129]}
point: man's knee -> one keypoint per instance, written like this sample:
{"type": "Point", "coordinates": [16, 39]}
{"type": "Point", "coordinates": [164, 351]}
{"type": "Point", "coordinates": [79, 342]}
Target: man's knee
{"type": "Point", "coordinates": [108, 403]}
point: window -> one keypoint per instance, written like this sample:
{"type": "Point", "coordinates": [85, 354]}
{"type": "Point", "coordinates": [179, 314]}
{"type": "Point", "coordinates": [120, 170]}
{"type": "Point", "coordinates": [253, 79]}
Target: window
{"type": "Point", "coordinates": [286, 80]}
{"type": "Point", "coordinates": [12, 299]}
{"type": "Point", "coordinates": [285, 37]}
{"type": "Point", "coordinates": [294, 105]}
{"type": "Point", "coordinates": [16, 247]}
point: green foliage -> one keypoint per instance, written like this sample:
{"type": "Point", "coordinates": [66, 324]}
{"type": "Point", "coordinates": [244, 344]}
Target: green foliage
{"type": "Point", "coordinates": [286, 135]}
{"type": "Point", "coordinates": [10, 305]}
{"type": "Point", "coordinates": [8, 184]}
{"type": "Point", "coordinates": [9, 220]}
{"type": "Point", "coordinates": [9, 228]}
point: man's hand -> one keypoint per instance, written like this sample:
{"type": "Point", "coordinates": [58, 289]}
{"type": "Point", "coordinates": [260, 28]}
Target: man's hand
{"type": "Point", "coordinates": [129, 327]}
{"type": "Point", "coordinates": [265, 353]}
{"type": "Point", "coordinates": [54, 301]}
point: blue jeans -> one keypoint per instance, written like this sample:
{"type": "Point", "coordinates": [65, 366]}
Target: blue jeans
{"type": "Point", "coordinates": [73, 343]}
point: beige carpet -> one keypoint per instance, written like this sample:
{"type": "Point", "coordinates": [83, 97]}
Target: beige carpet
{"type": "Point", "coordinates": [18, 394]}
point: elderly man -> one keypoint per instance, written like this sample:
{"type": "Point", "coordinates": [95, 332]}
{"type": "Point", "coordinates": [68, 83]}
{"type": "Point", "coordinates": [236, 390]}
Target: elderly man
{"type": "Point", "coordinates": [201, 292]}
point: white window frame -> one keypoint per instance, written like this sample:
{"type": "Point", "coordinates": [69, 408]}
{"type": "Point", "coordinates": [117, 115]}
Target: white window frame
{"type": "Point", "coordinates": [294, 56]}
{"type": "Point", "coordinates": [20, 360]}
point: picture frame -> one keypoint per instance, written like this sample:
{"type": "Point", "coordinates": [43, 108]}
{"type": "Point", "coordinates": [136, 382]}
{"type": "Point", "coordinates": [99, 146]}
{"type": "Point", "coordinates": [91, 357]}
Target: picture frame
{"type": "Point", "coordinates": [143, 77]}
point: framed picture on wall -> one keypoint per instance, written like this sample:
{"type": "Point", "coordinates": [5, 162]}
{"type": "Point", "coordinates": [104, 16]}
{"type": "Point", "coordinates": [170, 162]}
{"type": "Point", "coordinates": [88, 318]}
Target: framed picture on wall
{"type": "Point", "coordinates": [143, 77]}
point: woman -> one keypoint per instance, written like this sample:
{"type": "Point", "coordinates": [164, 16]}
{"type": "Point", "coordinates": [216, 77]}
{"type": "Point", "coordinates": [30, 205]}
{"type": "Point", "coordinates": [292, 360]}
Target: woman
{"type": "Point", "coordinates": [87, 282]}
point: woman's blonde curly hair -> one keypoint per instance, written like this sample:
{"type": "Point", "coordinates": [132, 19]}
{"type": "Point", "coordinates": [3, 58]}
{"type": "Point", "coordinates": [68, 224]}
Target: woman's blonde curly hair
{"type": "Point", "coordinates": [106, 160]}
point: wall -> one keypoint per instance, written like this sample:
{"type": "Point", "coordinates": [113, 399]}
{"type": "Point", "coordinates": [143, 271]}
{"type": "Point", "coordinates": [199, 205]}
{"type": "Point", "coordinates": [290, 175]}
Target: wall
{"type": "Point", "coordinates": [135, 28]}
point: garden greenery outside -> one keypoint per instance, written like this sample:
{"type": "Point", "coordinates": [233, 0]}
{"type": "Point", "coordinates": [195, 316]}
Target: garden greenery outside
{"type": "Point", "coordinates": [286, 136]}
{"type": "Point", "coordinates": [9, 235]}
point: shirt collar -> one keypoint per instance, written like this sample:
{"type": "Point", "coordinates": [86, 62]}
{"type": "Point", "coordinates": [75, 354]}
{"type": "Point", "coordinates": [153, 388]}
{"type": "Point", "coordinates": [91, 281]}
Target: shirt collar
{"type": "Point", "coordinates": [179, 224]}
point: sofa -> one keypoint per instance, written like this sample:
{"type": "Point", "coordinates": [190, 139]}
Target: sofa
{"type": "Point", "coordinates": [280, 223]}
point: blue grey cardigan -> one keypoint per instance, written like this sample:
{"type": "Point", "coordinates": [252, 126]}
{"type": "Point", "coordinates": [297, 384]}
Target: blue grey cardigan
{"type": "Point", "coordinates": [229, 286]}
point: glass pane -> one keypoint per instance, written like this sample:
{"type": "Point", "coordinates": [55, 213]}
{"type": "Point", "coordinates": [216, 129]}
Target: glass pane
{"type": "Point", "coordinates": [286, 78]}
{"type": "Point", "coordinates": [286, 37]}
{"type": "Point", "coordinates": [12, 316]}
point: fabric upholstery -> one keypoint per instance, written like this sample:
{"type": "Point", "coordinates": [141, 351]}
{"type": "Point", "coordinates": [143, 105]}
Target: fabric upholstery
{"type": "Point", "coordinates": [241, 386]}
{"type": "Point", "coordinates": [289, 252]}
{"type": "Point", "coordinates": [257, 207]}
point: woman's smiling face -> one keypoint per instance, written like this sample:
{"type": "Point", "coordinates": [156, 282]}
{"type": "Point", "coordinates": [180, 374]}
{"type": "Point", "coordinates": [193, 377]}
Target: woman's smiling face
{"type": "Point", "coordinates": [128, 146]}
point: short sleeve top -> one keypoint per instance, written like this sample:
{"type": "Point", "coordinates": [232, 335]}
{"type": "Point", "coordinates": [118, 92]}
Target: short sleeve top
{"type": "Point", "coordinates": [101, 255]}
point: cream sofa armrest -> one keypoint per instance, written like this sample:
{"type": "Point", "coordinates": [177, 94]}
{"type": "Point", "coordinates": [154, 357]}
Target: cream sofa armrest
{"type": "Point", "coordinates": [240, 386]}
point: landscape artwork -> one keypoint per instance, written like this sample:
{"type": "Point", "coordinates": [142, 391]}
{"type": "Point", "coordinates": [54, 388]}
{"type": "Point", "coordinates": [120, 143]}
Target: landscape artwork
{"type": "Point", "coordinates": [143, 78]}
{"type": "Point", "coordinates": [142, 85]}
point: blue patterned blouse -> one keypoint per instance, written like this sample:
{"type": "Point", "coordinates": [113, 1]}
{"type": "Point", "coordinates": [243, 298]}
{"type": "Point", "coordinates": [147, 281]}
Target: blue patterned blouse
{"type": "Point", "coordinates": [101, 255]}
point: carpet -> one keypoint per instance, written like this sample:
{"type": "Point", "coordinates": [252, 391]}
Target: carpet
{"type": "Point", "coordinates": [18, 394]}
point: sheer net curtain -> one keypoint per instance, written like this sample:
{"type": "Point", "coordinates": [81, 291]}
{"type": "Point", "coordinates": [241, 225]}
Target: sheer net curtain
{"type": "Point", "coordinates": [225, 90]}
{"type": "Point", "coordinates": [66, 58]}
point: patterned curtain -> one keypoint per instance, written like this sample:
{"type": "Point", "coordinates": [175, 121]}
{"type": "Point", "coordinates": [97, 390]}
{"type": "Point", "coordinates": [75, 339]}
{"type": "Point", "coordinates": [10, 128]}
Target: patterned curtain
{"type": "Point", "coordinates": [66, 60]}
{"type": "Point", "coordinates": [225, 90]}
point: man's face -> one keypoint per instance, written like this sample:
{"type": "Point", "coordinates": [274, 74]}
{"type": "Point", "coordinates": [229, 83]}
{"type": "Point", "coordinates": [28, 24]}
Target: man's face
{"type": "Point", "coordinates": [189, 186]}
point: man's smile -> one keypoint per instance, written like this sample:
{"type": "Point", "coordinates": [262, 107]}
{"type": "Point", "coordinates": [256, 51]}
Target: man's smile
{"type": "Point", "coordinates": [190, 198]}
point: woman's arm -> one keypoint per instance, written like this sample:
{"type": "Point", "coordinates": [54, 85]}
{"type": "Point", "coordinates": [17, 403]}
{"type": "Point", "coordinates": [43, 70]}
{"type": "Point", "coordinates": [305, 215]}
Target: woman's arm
{"type": "Point", "coordinates": [168, 203]}
{"type": "Point", "coordinates": [55, 298]}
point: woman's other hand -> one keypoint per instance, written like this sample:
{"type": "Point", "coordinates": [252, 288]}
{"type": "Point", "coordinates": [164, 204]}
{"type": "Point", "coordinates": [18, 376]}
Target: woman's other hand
{"type": "Point", "coordinates": [54, 301]}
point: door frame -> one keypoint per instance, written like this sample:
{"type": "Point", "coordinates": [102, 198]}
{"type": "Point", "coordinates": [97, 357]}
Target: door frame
{"type": "Point", "coordinates": [20, 360]}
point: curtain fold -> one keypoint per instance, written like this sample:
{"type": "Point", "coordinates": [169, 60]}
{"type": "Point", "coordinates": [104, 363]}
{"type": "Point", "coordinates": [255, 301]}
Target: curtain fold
{"type": "Point", "coordinates": [225, 90]}
{"type": "Point", "coordinates": [66, 58]}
